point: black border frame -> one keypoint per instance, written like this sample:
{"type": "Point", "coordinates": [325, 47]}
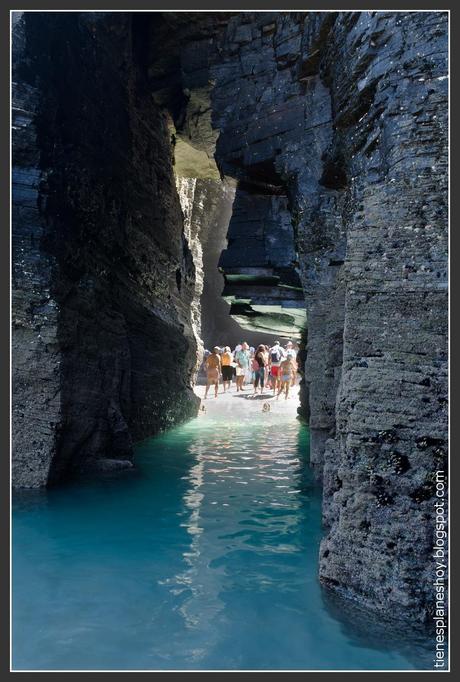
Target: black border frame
{"type": "Point", "coordinates": [203, 5]}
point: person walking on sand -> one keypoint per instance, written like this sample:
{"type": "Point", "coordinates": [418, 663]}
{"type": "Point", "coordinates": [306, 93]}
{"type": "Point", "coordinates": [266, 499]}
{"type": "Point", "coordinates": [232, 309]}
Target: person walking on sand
{"type": "Point", "coordinates": [267, 367]}
{"type": "Point", "coordinates": [213, 367]}
{"type": "Point", "coordinates": [292, 353]}
{"type": "Point", "coordinates": [287, 370]}
{"type": "Point", "coordinates": [276, 356]}
{"type": "Point", "coordinates": [227, 368]}
{"type": "Point", "coordinates": [248, 379]}
{"type": "Point", "coordinates": [242, 365]}
{"type": "Point", "coordinates": [238, 372]}
{"type": "Point", "coordinates": [254, 369]}
{"type": "Point", "coordinates": [261, 357]}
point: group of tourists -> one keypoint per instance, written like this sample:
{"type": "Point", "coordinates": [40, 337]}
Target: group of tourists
{"type": "Point", "coordinates": [258, 368]}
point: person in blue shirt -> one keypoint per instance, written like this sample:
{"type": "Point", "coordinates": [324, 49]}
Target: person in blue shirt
{"type": "Point", "coordinates": [242, 357]}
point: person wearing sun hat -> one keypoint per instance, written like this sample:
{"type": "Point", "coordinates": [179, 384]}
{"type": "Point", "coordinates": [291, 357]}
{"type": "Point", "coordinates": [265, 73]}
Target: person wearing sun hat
{"type": "Point", "coordinates": [227, 369]}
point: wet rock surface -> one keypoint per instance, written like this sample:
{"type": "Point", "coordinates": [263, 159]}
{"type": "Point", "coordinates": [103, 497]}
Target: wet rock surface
{"type": "Point", "coordinates": [104, 348]}
{"type": "Point", "coordinates": [340, 119]}
{"type": "Point", "coordinates": [35, 347]}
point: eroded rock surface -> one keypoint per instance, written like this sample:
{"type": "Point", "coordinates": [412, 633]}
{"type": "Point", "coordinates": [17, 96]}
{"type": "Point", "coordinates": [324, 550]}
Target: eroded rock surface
{"type": "Point", "coordinates": [104, 278]}
{"type": "Point", "coordinates": [344, 115]}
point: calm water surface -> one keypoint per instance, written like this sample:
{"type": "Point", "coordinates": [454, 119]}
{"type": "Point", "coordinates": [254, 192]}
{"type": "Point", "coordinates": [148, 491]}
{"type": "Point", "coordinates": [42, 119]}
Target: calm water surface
{"type": "Point", "coordinates": [203, 558]}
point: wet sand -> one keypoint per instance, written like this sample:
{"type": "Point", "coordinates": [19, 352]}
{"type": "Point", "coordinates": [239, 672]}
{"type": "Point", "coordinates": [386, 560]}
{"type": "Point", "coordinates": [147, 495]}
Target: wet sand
{"type": "Point", "coordinates": [246, 401]}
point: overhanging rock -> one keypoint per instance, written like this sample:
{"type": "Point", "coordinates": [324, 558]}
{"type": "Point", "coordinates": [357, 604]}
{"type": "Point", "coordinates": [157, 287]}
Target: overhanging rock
{"type": "Point", "coordinates": [260, 263]}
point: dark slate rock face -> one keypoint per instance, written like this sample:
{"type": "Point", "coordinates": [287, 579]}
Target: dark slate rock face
{"type": "Point", "coordinates": [261, 282]}
{"type": "Point", "coordinates": [260, 263]}
{"type": "Point", "coordinates": [104, 350]}
{"type": "Point", "coordinates": [36, 354]}
{"type": "Point", "coordinates": [344, 114]}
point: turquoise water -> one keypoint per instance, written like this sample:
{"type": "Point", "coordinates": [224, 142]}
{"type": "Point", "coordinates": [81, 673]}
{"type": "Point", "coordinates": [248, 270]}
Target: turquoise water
{"type": "Point", "coordinates": [203, 558]}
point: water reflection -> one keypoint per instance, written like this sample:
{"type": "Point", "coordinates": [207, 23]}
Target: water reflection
{"type": "Point", "coordinates": [241, 511]}
{"type": "Point", "coordinates": [206, 558]}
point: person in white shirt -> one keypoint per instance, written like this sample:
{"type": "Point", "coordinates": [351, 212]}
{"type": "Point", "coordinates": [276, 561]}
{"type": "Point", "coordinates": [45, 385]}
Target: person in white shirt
{"type": "Point", "coordinates": [292, 353]}
{"type": "Point", "coordinates": [277, 355]}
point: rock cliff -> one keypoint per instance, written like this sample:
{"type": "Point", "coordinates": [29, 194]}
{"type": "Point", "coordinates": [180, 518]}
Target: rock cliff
{"type": "Point", "coordinates": [340, 121]}
{"type": "Point", "coordinates": [104, 278]}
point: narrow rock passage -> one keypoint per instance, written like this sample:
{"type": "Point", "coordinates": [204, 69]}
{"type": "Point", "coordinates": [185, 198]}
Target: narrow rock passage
{"type": "Point", "coordinates": [204, 557]}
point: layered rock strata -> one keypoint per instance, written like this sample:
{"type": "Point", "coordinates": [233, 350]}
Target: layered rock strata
{"type": "Point", "coordinates": [340, 119]}
{"type": "Point", "coordinates": [207, 208]}
{"type": "Point", "coordinates": [104, 348]}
